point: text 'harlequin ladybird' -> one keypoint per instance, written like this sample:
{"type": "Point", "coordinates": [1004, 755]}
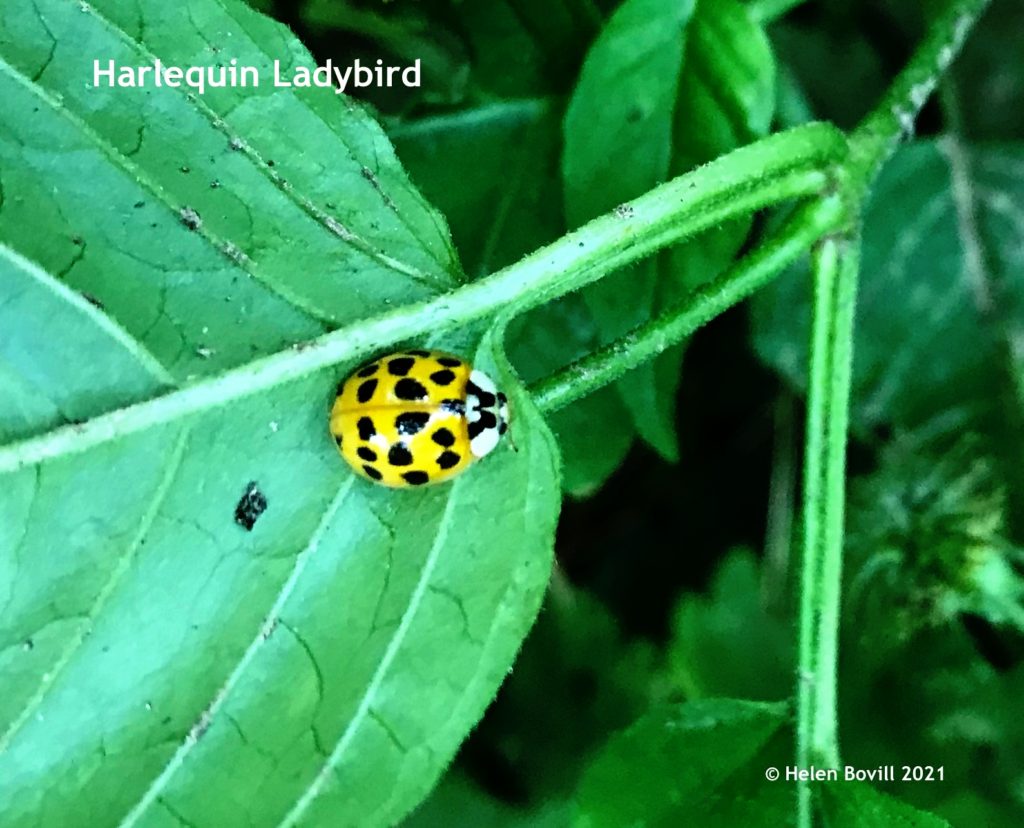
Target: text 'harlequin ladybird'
{"type": "Point", "coordinates": [416, 417]}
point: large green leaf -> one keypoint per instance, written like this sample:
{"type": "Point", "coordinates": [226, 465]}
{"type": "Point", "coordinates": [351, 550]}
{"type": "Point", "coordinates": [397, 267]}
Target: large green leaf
{"type": "Point", "coordinates": [676, 758]}
{"type": "Point", "coordinates": [940, 310]}
{"type": "Point", "coordinates": [493, 170]}
{"type": "Point", "coordinates": [668, 85]}
{"type": "Point", "coordinates": [159, 663]}
{"type": "Point", "coordinates": [286, 206]}
{"type": "Point", "coordinates": [940, 294]}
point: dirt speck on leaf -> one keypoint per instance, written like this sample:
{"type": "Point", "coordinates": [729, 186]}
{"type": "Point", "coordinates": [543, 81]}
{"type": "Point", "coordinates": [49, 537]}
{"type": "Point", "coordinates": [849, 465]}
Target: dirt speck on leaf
{"type": "Point", "coordinates": [251, 505]}
{"type": "Point", "coordinates": [190, 218]}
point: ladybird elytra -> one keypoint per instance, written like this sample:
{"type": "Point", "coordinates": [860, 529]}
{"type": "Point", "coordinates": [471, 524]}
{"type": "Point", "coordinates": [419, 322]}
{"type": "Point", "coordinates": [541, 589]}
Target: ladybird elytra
{"type": "Point", "coordinates": [416, 417]}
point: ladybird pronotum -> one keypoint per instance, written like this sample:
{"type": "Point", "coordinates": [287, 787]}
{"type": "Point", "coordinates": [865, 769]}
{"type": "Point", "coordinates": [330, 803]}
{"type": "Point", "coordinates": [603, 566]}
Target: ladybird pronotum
{"type": "Point", "coordinates": [416, 417]}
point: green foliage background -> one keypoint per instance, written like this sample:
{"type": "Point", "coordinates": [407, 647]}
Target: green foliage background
{"type": "Point", "coordinates": [654, 687]}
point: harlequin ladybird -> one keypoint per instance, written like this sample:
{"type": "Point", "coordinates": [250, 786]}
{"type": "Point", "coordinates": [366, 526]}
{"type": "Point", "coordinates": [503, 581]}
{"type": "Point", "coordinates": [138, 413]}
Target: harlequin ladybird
{"type": "Point", "coordinates": [417, 417]}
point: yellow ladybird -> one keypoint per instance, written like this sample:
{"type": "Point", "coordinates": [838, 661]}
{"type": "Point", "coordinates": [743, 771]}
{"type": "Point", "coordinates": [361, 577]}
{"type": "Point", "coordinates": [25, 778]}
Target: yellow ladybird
{"type": "Point", "coordinates": [417, 417]}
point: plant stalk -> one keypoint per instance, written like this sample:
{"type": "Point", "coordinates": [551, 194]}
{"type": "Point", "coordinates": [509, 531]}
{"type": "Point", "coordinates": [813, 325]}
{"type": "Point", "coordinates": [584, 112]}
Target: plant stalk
{"type": "Point", "coordinates": [877, 136]}
{"type": "Point", "coordinates": [758, 268]}
{"type": "Point", "coordinates": [835, 264]}
{"type": "Point", "coordinates": [835, 267]}
{"type": "Point", "coordinates": [791, 164]}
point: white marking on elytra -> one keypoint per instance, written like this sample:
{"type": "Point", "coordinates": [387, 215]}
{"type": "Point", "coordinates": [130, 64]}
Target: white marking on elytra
{"type": "Point", "coordinates": [482, 381]}
{"type": "Point", "coordinates": [484, 442]}
{"type": "Point", "coordinates": [487, 440]}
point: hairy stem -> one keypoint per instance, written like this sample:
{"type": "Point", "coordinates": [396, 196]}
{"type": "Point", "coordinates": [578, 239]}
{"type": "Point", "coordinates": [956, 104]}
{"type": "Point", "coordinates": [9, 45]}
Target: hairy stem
{"type": "Point", "coordinates": [835, 265]}
{"type": "Point", "coordinates": [835, 286]}
{"type": "Point", "coordinates": [809, 224]}
{"type": "Point", "coordinates": [876, 138]}
{"type": "Point", "coordinates": [788, 165]}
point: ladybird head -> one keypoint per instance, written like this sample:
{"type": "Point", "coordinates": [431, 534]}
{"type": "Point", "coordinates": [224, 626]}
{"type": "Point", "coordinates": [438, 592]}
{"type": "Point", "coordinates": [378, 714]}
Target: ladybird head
{"type": "Point", "coordinates": [486, 412]}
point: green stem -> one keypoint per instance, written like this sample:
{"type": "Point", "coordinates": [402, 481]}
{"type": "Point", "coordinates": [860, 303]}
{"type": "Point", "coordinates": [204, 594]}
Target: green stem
{"type": "Point", "coordinates": [835, 284]}
{"type": "Point", "coordinates": [758, 268]}
{"type": "Point", "coordinates": [876, 138]}
{"type": "Point", "coordinates": [835, 265]}
{"type": "Point", "coordinates": [788, 165]}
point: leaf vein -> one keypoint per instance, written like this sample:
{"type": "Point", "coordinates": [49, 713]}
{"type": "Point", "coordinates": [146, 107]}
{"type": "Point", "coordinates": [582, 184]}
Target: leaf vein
{"type": "Point", "coordinates": [49, 679]}
{"type": "Point", "coordinates": [207, 717]}
{"type": "Point", "coordinates": [118, 158]}
{"type": "Point", "coordinates": [320, 217]}
{"type": "Point", "coordinates": [363, 710]}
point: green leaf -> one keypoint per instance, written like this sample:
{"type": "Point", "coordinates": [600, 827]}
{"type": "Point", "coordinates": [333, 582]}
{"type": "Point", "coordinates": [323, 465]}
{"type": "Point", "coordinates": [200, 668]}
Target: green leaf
{"type": "Point", "coordinates": [942, 233]}
{"type": "Point", "coordinates": [46, 386]}
{"type": "Point", "coordinates": [858, 805]}
{"type": "Point", "coordinates": [505, 155]}
{"type": "Point", "coordinates": [687, 752]}
{"type": "Point", "coordinates": [940, 299]}
{"type": "Point", "coordinates": [326, 664]}
{"type": "Point", "coordinates": [354, 636]}
{"type": "Point", "coordinates": [285, 231]}
{"type": "Point", "coordinates": [734, 620]}
{"type": "Point", "coordinates": [667, 86]}
{"type": "Point", "coordinates": [987, 87]}
{"type": "Point", "coordinates": [502, 155]}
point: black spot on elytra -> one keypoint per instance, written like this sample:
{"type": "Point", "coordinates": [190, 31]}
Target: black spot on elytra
{"type": "Point", "coordinates": [368, 454]}
{"type": "Point", "coordinates": [416, 478]}
{"type": "Point", "coordinates": [366, 429]}
{"type": "Point", "coordinates": [366, 391]}
{"type": "Point", "coordinates": [409, 389]}
{"type": "Point", "coordinates": [486, 398]}
{"type": "Point", "coordinates": [339, 389]}
{"type": "Point", "coordinates": [449, 362]}
{"type": "Point", "coordinates": [444, 377]}
{"type": "Point", "coordinates": [411, 422]}
{"type": "Point", "coordinates": [372, 472]}
{"type": "Point", "coordinates": [448, 459]}
{"type": "Point", "coordinates": [419, 353]}
{"type": "Point", "coordinates": [337, 439]}
{"type": "Point", "coordinates": [368, 370]}
{"type": "Point", "coordinates": [443, 437]}
{"type": "Point", "coordinates": [401, 366]}
{"type": "Point", "coordinates": [454, 406]}
{"type": "Point", "coordinates": [398, 455]}
{"type": "Point", "coordinates": [251, 505]}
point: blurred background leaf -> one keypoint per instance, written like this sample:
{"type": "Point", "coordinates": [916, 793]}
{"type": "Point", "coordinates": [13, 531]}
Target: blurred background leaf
{"type": "Point", "coordinates": [665, 87]}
